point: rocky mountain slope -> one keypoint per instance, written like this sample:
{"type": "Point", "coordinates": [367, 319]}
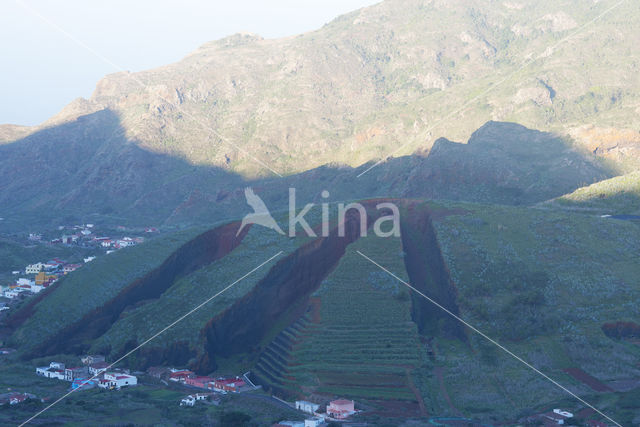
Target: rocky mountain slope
{"type": "Point", "coordinates": [86, 170]}
{"type": "Point", "coordinates": [378, 79]}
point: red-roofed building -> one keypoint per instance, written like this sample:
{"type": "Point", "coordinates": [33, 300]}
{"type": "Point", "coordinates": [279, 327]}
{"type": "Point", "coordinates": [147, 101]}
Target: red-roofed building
{"type": "Point", "coordinates": [341, 409]}
{"type": "Point", "coordinates": [71, 267]}
{"type": "Point", "coordinates": [180, 375]}
{"type": "Point", "coordinates": [228, 384]}
{"type": "Point", "coordinates": [117, 380]}
{"type": "Point", "coordinates": [200, 382]}
{"type": "Point", "coordinates": [16, 398]}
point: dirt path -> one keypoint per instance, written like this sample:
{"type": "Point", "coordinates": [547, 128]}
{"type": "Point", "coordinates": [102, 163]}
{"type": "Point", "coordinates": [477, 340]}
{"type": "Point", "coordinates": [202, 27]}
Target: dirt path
{"type": "Point", "coordinates": [587, 379]}
{"type": "Point", "coordinates": [443, 390]}
{"type": "Point", "coordinates": [416, 392]}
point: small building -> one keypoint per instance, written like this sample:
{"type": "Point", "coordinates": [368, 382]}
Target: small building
{"type": "Point", "coordinates": [52, 265]}
{"type": "Point", "coordinates": [16, 398]}
{"type": "Point", "coordinates": [193, 398]}
{"type": "Point", "coordinates": [54, 370]}
{"type": "Point", "coordinates": [34, 268]}
{"type": "Point", "coordinates": [228, 384]}
{"type": "Point", "coordinates": [69, 239]}
{"type": "Point", "coordinates": [341, 409]}
{"type": "Point", "coordinates": [116, 380]}
{"type": "Point", "coordinates": [200, 382]}
{"type": "Point", "coordinates": [71, 374]}
{"type": "Point", "coordinates": [70, 267]}
{"type": "Point", "coordinates": [188, 401]}
{"type": "Point", "coordinates": [89, 259]}
{"type": "Point", "coordinates": [92, 358]}
{"type": "Point", "coordinates": [45, 279]}
{"type": "Point", "coordinates": [98, 368]}
{"type": "Point", "coordinates": [23, 281]}
{"type": "Point", "coordinates": [313, 422]}
{"type": "Point", "coordinates": [565, 414]}
{"type": "Point", "coordinates": [180, 375]}
{"type": "Point", "coordinates": [12, 293]}
{"type": "Point", "coordinates": [308, 407]}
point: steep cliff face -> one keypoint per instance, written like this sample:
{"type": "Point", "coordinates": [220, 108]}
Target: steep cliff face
{"type": "Point", "coordinates": [428, 274]}
{"type": "Point", "coordinates": [199, 252]}
{"type": "Point", "coordinates": [288, 285]}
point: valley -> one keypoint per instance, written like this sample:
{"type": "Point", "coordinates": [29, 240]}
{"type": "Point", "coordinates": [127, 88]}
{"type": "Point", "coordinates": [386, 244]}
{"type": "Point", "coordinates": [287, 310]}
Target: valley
{"type": "Point", "coordinates": [425, 212]}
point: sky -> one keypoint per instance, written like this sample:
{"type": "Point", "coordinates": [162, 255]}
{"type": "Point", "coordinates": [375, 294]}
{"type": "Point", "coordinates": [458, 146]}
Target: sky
{"type": "Point", "coordinates": [42, 69]}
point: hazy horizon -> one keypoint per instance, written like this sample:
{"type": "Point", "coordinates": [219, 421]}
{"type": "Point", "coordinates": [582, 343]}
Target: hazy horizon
{"type": "Point", "coordinates": [133, 35]}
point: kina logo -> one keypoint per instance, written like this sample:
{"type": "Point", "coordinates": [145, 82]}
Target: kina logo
{"type": "Point", "coordinates": [260, 216]}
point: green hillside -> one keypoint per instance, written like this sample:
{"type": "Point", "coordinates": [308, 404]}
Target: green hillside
{"type": "Point", "coordinates": [544, 283]}
{"type": "Point", "coordinates": [618, 195]}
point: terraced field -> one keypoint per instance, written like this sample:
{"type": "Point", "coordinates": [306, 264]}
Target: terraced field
{"type": "Point", "coordinates": [357, 338]}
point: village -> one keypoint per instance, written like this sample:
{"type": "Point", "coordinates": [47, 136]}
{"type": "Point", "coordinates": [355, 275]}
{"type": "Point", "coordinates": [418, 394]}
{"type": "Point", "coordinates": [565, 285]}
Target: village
{"type": "Point", "coordinates": [36, 277]}
{"type": "Point", "coordinates": [94, 371]}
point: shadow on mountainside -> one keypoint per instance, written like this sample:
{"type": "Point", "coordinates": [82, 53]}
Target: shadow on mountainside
{"type": "Point", "coordinates": [87, 169]}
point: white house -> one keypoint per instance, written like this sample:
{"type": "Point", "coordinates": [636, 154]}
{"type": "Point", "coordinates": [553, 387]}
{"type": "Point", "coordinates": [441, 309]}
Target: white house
{"type": "Point", "coordinates": [34, 268]}
{"type": "Point", "coordinates": [565, 414]}
{"type": "Point", "coordinates": [89, 259]}
{"type": "Point", "coordinates": [313, 422]}
{"type": "Point", "coordinates": [92, 358]}
{"type": "Point", "coordinates": [308, 407]}
{"type": "Point", "coordinates": [117, 380]}
{"type": "Point", "coordinates": [12, 293]}
{"type": "Point", "coordinates": [36, 288]}
{"type": "Point", "coordinates": [98, 367]}
{"type": "Point", "coordinates": [54, 370]}
{"type": "Point", "coordinates": [193, 398]}
{"type": "Point", "coordinates": [188, 401]}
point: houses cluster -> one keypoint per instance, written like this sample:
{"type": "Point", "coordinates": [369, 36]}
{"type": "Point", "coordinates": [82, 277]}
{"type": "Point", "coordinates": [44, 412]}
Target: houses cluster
{"type": "Point", "coordinates": [79, 233]}
{"type": "Point", "coordinates": [86, 235]}
{"type": "Point", "coordinates": [110, 243]}
{"type": "Point", "coordinates": [94, 372]}
{"type": "Point", "coordinates": [14, 398]}
{"type": "Point", "coordinates": [336, 410]}
{"type": "Point", "coordinates": [233, 384]}
{"type": "Point", "coordinates": [44, 275]}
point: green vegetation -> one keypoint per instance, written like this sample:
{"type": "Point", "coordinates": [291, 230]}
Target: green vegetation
{"type": "Point", "coordinates": [542, 283]}
{"type": "Point", "coordinates": [619, 195]}
{"type": "Point", "coordinates": [146, 404]}
{"type": "Point", "coordinates": [93, 285]}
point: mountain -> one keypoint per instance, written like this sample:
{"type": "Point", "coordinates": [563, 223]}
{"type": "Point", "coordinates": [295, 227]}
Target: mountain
{"type": "Point", "coordinates": [378, 79]}
{"type": "Point", "coordinates": [86, 170]}
{"type": "Point", "coordinates": [503, 229]}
